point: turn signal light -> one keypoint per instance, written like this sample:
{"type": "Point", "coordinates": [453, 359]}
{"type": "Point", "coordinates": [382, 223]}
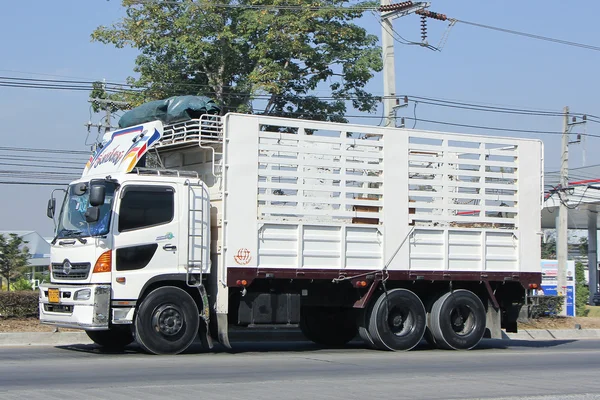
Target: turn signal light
{"type": "Point", "coordinates": [533, 286]}
{"type": "Point", "coordinates": [241, 282]}
{"type": "Point", "coordinates": [360, 284]}
{"type": "Point", "coordinates": [104, 262]}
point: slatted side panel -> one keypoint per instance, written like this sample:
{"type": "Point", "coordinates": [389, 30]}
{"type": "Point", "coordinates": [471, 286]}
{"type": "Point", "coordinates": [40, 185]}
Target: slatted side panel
{"type": "Point", "coordinates": [467, 181]}
{"type": "Point", "coordinates": [320, 246]}
{"type": "Point", "coordinates": [310, 172]}
{"type": "Point", "coordinates": [463, 250]}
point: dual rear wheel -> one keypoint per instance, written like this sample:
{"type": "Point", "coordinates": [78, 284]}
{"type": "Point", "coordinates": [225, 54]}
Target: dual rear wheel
{"type": "Point", "coordinates": [398, 320]}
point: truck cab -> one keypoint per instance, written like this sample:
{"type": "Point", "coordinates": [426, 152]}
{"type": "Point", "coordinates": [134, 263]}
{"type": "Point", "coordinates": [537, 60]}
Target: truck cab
{"type": "Point", "coordinates": [121, 229]}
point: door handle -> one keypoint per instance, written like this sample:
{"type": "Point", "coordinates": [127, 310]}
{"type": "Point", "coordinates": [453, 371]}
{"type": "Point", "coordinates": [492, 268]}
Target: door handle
{"type": "Point", "coordinates": [169, 247]}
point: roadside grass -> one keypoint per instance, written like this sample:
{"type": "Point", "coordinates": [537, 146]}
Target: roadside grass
{"type": "Point", "coordinates": [593, 311]}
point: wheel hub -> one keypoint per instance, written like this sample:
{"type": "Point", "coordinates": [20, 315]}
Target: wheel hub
{"type": "Point", "coordinates": [400, 321]}
{"type": "Point", "coordinates": [167, 320]}
{"type": "Point", "coordinates": [463, 320]}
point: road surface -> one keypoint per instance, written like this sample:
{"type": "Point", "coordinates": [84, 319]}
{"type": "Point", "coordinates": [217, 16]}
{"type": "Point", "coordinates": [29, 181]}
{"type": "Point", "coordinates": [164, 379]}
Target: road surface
{"type": "Point", "coordinates": [300, 370]}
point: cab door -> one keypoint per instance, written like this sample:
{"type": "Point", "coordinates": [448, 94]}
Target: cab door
{"type": "Point", "coordinates": [146, 242]}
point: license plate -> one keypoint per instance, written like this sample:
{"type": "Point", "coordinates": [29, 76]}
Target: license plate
{"type": "Point", "coordinates": [53, 295]}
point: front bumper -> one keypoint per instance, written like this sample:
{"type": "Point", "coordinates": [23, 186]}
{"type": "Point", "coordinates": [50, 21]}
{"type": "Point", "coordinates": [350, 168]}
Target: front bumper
{"type": "Point", "coordinates": [92, 313]}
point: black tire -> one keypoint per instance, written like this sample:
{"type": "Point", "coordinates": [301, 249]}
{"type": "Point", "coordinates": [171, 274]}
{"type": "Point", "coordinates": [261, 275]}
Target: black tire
{"type": "Point", "coordinates": [328, 326]}
{"type": "Point", "coordinates": [117, 337]}
{"type": "Point", "coordinates": [167, 321]}
{"type": "Point", "coordinates": [397, 320]}
{"type": "Point", "coordinates": [457, 320]}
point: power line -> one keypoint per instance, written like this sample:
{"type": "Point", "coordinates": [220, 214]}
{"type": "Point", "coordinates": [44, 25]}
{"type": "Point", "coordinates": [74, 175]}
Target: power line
{"type": "Point", "coordinates": [34, 183]}
{"type": "Point", "coordinates": [39, 166]}
{"type": "Point", "coordinates": [44, 150]}
{"type": "Point", "coordinates": [258, 6]}
{"type": "Point", "coordinates": [54, 83]}
{"type": "Point", "coordinates": [532, 36]}
{"type": "Point", "coordinates": [42, 159]}
{"type": "Point", "coordinates": [499, 129]}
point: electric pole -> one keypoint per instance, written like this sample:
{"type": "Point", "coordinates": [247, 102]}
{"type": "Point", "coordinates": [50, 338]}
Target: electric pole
{"type": "Point", "coordinates": [390, 12]}
{"type": "Point", "coordinates": [562, 226]}
{"type": "Point", "coordinates": [108, 103]}
{"type": "Point", "coordinates": [562, 245]}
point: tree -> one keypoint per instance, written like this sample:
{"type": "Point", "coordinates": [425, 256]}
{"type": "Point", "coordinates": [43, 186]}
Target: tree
{"type": "Point", "coordinates": [583, 246]}
{"type": "Point", "coordinates": [581, 291]}
{"type": "Point", "coordinates": [247, 54]}
{"type": "Point", "coordinates": [548, 249]}
{"type": "Point", "coordinates": [13, 256]}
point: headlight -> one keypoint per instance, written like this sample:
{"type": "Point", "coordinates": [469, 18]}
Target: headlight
{"type": "Point", "coordinates": [83, 294]}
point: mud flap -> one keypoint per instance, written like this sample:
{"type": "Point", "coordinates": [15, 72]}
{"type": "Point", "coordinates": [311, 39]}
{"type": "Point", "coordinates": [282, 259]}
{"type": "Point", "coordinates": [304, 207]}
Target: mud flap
{"type": "Point", "coordinates": [493, 322]}
{"type": "Point", "coordinates": [223, 329]}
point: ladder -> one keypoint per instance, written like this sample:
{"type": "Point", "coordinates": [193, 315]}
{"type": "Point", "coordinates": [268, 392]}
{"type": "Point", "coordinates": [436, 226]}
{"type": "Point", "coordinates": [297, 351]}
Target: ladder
{"type": "Point", "coordinates": [196, 240]}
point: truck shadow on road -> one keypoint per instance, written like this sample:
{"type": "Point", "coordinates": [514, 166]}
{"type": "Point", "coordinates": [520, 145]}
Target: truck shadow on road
{"type": "Point", "coordinates": [307, 347]}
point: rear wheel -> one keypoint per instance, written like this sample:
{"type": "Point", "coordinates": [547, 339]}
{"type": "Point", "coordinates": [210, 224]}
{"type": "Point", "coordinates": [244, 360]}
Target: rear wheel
{"type": "Point", "coordinates": [397, 320]}
{"type": "Point", "coordinates": [116, 337]}
{"type": "Point", "coordinates": [457, 320]}
{"type": "Point", "coordinates": [167, 321]}
{"type": "Point", "coordinates": [328, 326]}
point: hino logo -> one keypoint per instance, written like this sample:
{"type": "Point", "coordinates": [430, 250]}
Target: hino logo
{"type": "Point", "coordinates": [67, 267]}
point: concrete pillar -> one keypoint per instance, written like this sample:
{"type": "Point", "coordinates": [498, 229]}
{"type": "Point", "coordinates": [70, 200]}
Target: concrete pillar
{"type": "Point", "coordinates": [592, 251]}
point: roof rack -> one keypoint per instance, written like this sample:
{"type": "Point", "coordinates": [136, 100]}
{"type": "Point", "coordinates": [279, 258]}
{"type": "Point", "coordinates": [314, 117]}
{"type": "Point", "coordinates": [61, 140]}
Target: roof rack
{"type": "Point", "coordinates": [208, 129]}
{"type": "Point", "coordinates": [165, 172]}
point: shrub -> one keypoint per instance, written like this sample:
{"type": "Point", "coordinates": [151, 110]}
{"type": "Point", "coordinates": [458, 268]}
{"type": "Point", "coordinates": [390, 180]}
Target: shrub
{"type": "Point", "coordinates": [545, 306]}
{"type": "Point", "coordinates": [20, 304]}
{"type": "Point", "coordinates": [581, 291]}
{"type": "Point", "coordinates": [21, 284]}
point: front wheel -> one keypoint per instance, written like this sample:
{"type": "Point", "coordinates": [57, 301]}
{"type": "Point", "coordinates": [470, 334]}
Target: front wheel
{"type": "Point", "coordinates": [167, 321]}
{"type": "Point", "coordinates": [116, 337]}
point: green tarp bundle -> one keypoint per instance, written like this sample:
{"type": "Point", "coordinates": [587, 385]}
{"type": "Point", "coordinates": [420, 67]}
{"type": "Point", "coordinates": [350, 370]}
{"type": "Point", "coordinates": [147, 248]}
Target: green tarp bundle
{"type": "Point", "coordinates": [171, 110]}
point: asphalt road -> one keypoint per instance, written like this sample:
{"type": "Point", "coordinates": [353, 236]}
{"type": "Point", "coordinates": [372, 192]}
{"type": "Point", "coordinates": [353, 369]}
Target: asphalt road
{"type": "Point", "coordinates": [299, 370]}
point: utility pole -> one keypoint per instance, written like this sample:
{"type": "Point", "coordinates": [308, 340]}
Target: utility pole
{"type": "Point", "coordinates": [390, 12]}
{"type": "Point", "coordinates": [108, 103]}
{"type": "Point", "coordinates": [562, 245]}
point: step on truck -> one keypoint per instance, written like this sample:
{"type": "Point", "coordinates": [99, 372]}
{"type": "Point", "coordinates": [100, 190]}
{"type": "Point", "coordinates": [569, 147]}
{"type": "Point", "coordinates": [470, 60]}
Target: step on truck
{"type": "Point", "coordinates": [184, 231]}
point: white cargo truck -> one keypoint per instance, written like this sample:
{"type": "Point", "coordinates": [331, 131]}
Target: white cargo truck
{"type": "Point", "coordinates": [393, 235]}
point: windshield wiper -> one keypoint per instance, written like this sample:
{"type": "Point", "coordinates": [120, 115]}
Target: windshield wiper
{"type": "Point", "coordinates": [70, 233]}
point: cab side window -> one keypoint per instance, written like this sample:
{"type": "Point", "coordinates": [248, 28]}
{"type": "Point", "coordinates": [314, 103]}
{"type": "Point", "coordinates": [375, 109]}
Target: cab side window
{"type": "Point", "coordinates": [145, 206]}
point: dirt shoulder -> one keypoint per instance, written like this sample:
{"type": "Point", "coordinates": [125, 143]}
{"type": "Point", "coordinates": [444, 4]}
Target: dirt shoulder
{"type": "Point", "coordinates": [11, 325]}
{"type": "Point", "coordinates": [562, 323]}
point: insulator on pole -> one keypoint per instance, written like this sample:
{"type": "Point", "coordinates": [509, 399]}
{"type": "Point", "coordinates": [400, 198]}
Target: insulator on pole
{"type": "Point", "coordinates": [423, 28]}
{"type": "Point", "coordinates": [396, 6]}
{"type": "Point", "coordinates": [431, 14]}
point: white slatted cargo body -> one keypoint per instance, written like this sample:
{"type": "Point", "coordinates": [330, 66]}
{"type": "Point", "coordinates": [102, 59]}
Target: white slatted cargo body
{"type": "Point", "coordinates": [308, 196]}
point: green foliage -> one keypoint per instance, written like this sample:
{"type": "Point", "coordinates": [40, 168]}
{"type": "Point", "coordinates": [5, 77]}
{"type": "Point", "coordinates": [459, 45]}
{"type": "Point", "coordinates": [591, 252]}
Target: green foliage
{"type": "Point", "coordinates": [21, 304]}
{"type": "Point", "coordinates": [583, 246]}
{"type": "Point", "coordinates": [238, 55]}
{"type": "Point", "coordinates": [21, 284]}
{"type": "Point", "coordinates": [99, 92]}
{"type": "Point", "coordinates": [548, 249]}
{"type": "Point", "coordinates": [13, 257]}
{"type": "Point", "coordinates": [545, 306]}
{"type": "Point", "coordinates": [581, 291]}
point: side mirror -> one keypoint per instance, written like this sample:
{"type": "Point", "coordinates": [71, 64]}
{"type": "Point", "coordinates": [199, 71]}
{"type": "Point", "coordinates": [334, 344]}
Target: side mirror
{"type": "Point", "coordinates": [97, 195]}
{"type": "Point", "coordinates": [92, 214]}
{"type": "Point", "coordinates": [51, 208]}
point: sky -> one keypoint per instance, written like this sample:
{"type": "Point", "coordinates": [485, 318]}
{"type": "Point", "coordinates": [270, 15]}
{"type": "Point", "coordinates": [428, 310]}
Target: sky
{"type": "Point", "coordinates": [51, 40]}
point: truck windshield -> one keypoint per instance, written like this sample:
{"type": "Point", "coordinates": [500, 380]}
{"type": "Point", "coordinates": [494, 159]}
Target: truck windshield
{"type": "Point", "coordinates": [72, 223]}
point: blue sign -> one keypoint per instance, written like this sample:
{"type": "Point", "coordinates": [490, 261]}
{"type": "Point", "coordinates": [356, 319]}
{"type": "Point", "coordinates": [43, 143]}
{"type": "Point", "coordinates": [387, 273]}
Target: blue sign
{"type": "Point", "coordinates": [549, 273]}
